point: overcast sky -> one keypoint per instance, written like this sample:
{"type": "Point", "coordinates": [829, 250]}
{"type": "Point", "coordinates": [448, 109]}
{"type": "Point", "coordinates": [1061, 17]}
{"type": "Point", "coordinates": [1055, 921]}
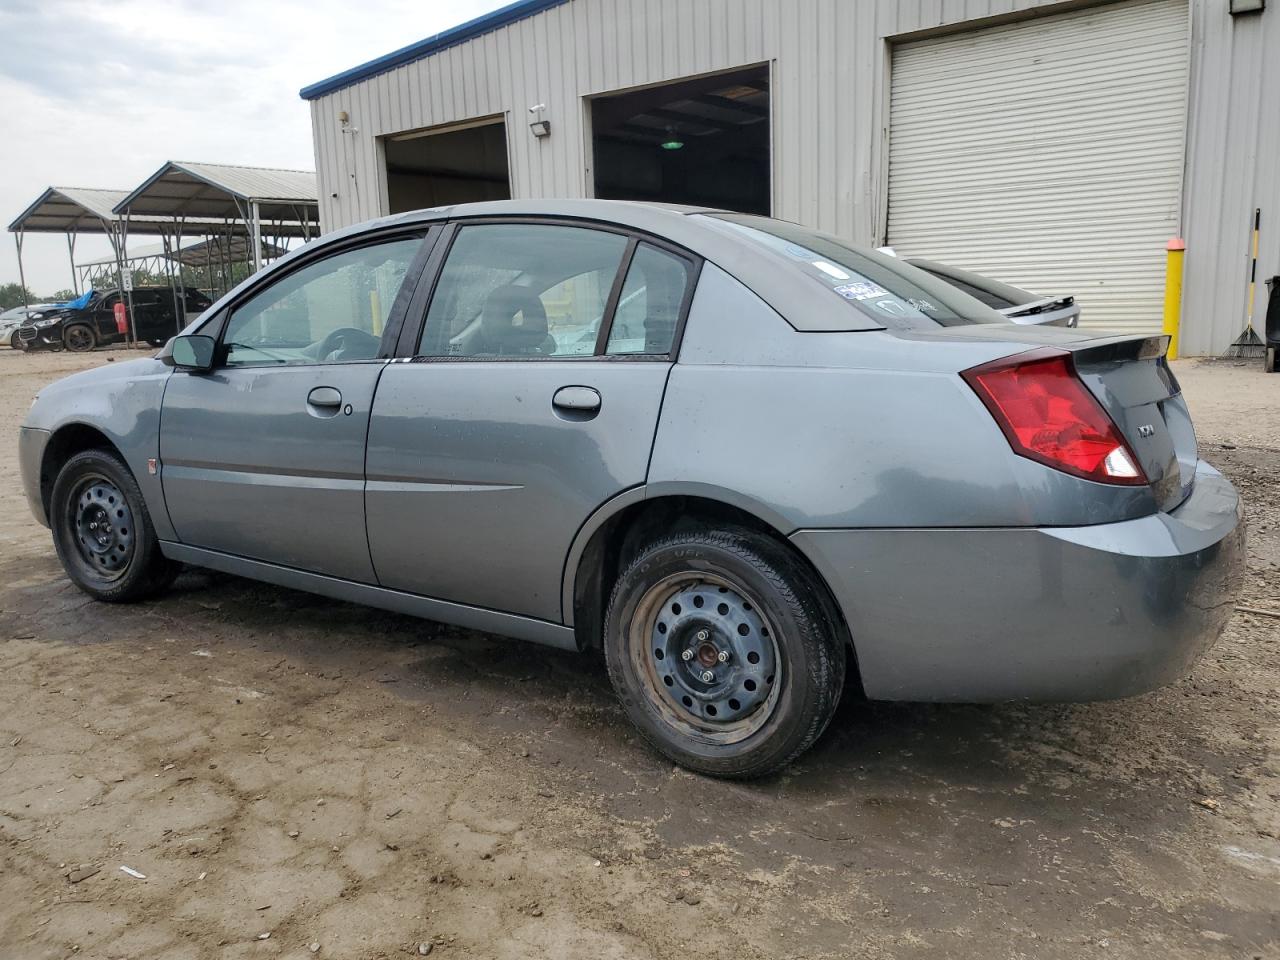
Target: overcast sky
{"type": "Point", "coordinates": [100, 94]}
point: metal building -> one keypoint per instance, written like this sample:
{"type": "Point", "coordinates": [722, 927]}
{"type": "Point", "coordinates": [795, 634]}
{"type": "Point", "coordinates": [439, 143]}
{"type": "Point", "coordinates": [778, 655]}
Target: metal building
{"type": "Point", "coordinates": [1054, 145]}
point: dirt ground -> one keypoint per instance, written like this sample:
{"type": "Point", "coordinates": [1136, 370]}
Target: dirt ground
{"type": "Point", "coordinates": [299, 777]}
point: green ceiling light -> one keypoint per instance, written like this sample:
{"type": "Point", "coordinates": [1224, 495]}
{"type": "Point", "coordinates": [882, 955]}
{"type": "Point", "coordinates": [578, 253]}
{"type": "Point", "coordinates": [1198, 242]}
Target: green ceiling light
{"type": "Point", "coordinates": [672, 142]}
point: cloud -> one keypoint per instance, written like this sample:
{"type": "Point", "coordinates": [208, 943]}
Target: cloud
{"type": "Point", "coordinates": [100, 94]}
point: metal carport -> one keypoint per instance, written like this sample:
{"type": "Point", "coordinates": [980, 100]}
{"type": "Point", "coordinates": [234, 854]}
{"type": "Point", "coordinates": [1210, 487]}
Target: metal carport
{"type": "Point", "coordinates": [180, 191]}
{"type": "Point", "coordinates": [76, 210]}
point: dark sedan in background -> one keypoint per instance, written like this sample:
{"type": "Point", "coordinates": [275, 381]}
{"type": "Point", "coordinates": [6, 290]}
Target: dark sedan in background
{"type": "Point", "coordinates": [90, 322]}
{"type": "Point", "coordinates": [1016, 305]}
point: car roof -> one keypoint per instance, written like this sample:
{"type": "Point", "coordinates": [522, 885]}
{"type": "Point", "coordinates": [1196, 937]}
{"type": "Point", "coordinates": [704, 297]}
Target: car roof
{"type": "Point", "coordinates": [805, 303]}
{"type": "Point", "coordinates": [1005, 291]}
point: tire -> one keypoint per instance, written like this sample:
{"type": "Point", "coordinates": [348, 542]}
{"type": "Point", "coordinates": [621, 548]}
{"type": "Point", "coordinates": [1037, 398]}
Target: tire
{"type": "Point", "coordinates": [79, 338]}
{"type": "Point", "coordinates": [121, 563]}
{"type": "Point", "coordinates": [15, 342]}
{"type": "Point", "coordinates": [1269, 361]}
{"type": "Point", "coordinates": [754, 620]}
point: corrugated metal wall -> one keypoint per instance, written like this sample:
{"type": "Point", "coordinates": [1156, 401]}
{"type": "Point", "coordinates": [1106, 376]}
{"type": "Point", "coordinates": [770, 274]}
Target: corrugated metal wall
{"type": "Point", "coordinates": [830, 87]}
{"type": "Point", "coordinates": [1233, 151]}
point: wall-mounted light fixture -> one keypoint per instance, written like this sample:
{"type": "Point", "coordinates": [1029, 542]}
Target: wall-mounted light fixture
{"type": "Point", "coordinates": [539, 127]}
{"type": "Point", "coordinates": [1247, 6]}
{"type": "Point", "coordinates": [673, 141]}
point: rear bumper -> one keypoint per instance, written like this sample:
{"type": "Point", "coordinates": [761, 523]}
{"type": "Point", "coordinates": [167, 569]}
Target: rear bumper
{"type": "Point", "coordinates": [1064, 613]}
{"type": "Point", "coordinates": [31, 444]}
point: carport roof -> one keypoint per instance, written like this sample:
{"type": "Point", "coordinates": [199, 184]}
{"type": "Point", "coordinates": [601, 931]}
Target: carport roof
{"type": "Point", "coordinates": [185, 189]}
{"type": "Point", "coordinates": [82, 209]}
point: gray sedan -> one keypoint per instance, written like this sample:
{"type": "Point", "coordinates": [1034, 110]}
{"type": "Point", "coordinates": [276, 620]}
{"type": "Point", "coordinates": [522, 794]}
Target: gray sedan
{"type": "Point", "coordinates": [748, 461]}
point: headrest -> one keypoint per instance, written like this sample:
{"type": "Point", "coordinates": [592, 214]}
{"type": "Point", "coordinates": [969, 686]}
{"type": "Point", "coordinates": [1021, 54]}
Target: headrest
{"type": "Point", "coordinates": [501, 329]}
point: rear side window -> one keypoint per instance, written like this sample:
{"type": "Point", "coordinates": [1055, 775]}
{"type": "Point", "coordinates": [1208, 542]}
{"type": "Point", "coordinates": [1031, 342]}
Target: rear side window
{"type": "Point", "coordinates": [894, 294]}
{"type": "Point", "coordinates": [649, 306]}
{"type": "Point", "coordinates": [525, 290]}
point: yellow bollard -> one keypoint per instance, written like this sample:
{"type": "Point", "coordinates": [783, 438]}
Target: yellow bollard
{"type": "Point", "coordinates": [1175, 249]}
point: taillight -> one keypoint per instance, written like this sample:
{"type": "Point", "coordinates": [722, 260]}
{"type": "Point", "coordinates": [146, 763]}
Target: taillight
{"type": "Point", "coordinates": [1049, 415]}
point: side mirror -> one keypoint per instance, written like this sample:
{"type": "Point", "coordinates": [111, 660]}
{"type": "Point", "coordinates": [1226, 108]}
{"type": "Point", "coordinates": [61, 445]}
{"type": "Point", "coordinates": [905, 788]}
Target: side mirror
{"type": "Point", "coordinates": [194, 352]}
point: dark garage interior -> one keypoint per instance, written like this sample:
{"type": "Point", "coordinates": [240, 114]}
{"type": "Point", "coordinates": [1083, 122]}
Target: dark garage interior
{"type": "Point", "coordinates": [458, 165]}
{"type": "Point", "coordinates": [703, 142]}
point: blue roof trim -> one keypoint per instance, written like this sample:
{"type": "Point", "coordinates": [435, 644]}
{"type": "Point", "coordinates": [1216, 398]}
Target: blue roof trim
{"type": "Point", "coordinates": [519, 10]}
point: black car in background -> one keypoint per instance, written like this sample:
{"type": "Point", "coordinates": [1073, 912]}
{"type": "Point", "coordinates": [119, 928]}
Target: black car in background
{"type": "Point", "coordinates": [80, 328]}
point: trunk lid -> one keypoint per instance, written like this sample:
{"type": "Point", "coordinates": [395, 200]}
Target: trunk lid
{"type": "Point", "coordinates": [1132, 380]}
{"type": "Point", "coordinates": [1130, 377]}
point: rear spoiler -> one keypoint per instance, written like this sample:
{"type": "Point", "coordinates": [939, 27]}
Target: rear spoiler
{"type": "Point", "coordinates": [1120, 349]}
{"type": "Point", "coordinates": [1038, 306]}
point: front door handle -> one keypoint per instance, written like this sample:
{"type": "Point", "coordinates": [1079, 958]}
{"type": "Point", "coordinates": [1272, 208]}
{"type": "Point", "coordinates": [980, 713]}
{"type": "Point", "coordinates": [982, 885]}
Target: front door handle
{"type": "Point", "coordinates": [324, 397]}
{"type": "Point", "coordinates": [325, 402]}
{"type": "Point", "coordinates": [576, 403]}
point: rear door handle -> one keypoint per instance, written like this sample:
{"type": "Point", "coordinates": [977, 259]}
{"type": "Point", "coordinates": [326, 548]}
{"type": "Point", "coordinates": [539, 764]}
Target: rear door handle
{"type": "Point", "coordinates": [576, 403]}
{"type": "Point", "coordinates": [324, 397]}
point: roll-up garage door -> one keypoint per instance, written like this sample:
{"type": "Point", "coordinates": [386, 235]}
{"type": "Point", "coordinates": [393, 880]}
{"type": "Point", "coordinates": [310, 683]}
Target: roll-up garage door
{"type": "Point", "coordinates": [1047, 154]}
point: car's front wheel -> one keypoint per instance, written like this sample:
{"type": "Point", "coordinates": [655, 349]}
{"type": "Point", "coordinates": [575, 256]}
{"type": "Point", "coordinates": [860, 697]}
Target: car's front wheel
{"type": "Point", "coordinates": [103, 532]}
{"type": "Point", "coordinates": [15, 341]}
{"type": "Point", "coordinates": [79, 338]}
{"type": "Point", "coordinates": [722, 652]}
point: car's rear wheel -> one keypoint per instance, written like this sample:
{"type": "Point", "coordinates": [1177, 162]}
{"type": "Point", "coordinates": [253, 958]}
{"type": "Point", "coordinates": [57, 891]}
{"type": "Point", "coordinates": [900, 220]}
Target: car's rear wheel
{"type": "Point", "coordinates": [79, 338]}
{"type": "Point", "coordinates": [722, 653]}
{"type": "Point", "coordinates": [103, 532]}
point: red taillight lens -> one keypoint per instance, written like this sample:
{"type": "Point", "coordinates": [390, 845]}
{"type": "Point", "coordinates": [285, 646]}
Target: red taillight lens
{"type": "Point", "coordinates": [1049, 415]}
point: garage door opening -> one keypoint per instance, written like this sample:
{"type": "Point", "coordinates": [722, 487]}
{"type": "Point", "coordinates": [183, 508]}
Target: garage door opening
{"type": "Point", "coordinates": [703, 142]}
{"type": "Point", "coordinates": [1072, 186]}
{"type": "Point", "coordinates": [432, 168]}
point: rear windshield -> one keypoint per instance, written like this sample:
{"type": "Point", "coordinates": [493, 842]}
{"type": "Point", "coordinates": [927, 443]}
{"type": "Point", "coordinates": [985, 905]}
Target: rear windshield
{"type": "Point", "coordinates": [892, 293]}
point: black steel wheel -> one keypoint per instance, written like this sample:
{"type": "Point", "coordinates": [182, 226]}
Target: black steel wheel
{"type": "Point", "coordinates": [723, 653]}
{"type": "Point", "coordinates": [79, 338]}
{"type": "Point", "coordinates": [103, 532]}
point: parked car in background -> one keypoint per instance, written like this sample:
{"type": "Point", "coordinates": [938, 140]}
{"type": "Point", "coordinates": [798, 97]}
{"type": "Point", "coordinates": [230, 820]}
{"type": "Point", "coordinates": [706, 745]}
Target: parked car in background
{"type": "Point", "coordinates": [1018, 306]}
{"type": "Point", "coordinates": [11, 320]}
{"type": "Point", "coordinates": [90, 321]}
{"type": "Point", "coordinates": [731, 452]}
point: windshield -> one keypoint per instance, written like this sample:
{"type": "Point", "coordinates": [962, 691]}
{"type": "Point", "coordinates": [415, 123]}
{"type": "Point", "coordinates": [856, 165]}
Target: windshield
{"type": "Point", "coordinates": [891, 292]}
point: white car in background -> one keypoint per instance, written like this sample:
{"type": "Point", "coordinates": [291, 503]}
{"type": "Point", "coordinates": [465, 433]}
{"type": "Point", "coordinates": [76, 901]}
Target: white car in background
{"type": "Point", "coordinates": [11, 320]}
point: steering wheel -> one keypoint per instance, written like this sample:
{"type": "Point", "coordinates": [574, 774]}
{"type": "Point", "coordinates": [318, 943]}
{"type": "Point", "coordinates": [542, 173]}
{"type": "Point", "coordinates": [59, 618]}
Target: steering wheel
{"type": "Point", "coordinates": [347, 340]}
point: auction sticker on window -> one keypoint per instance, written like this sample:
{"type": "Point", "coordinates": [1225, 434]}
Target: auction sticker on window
{"type": "Point", "coordinates": [861, 290]}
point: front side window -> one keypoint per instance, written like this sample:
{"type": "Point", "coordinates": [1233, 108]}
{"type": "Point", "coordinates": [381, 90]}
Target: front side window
{"type": "Point", "coordinates": [523, 290]}
{"type": "Point", "coordinates": [330, 311]}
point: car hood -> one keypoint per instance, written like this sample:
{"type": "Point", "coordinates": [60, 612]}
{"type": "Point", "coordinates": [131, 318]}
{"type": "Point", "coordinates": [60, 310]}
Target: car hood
{"type": "Point", "coordinates": [89, 380]}
{"type": "Point", "coordinates": [57, 313]}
